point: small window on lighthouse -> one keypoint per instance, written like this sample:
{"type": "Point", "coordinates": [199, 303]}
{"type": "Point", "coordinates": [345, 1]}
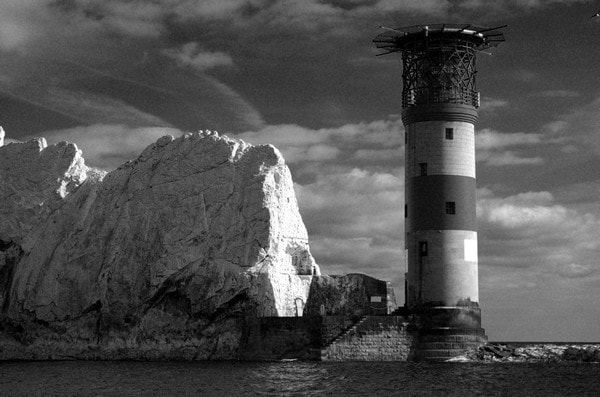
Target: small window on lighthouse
{"type": "Point", "coordinates": [450, 207]}
{"type": "Point", "coordinates": [449, 133]}
{"type": "Point", "coordinates": [423, 167]}
{"type": "Point", "coordinates": [422, 248]}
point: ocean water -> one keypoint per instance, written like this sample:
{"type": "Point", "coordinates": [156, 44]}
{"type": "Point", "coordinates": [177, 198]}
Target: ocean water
{"type": "Point", "coordinates": [297, 378]}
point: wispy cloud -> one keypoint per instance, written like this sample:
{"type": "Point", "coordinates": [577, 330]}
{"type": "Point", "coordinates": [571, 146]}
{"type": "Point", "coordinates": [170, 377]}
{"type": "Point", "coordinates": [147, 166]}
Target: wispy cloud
{"type": "Point", "coordinates": [523, 75]}
{"type": "Point", "coordinates": [576, 270]}
{"type": "Point", "coordinates": [557, 94]}
{"type": "Point", "coordinates": [214, 9]}
{"type": "Point", "coordinates": [68, 57]}
{"type": "Point", "coordinates": [191, 54]}
{"type": "Point", "coordinates": [94, 108]}
{"type": "Point", "coordinates": [431, 7]}
{"type": "Point", "coordinates": [84, 107]}
{"type": "Point", "coordinates": [490, 139]}
{"type": "Point", "coordinates": [133, 19]}
{"type": "Point", "coordinates": [492, 104]}
{"type": "Point", "coordinates": [522, 211]}
{"type": "Point", "coordinates": [579, 127]}
{"type": "Point", "coordinates": [507, 158]}
{"type": "Point", "coordinates": [492, 148]}
{"type": "Point", "coordinates": [17, 21]}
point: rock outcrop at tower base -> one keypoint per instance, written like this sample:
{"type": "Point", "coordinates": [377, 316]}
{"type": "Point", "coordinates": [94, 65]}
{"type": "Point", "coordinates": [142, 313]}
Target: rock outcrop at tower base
{"type": "Point", "coordinates": [164, 257]}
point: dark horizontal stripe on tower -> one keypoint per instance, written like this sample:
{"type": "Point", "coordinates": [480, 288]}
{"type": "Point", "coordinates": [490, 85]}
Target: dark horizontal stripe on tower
{"type": "Point", "coordinates": [426, 198]}
{"type": "Point", "coordinates": [439, 112]}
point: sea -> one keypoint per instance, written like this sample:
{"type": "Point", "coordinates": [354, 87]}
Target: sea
{"type": "Point", "coordinates": [296, 378]}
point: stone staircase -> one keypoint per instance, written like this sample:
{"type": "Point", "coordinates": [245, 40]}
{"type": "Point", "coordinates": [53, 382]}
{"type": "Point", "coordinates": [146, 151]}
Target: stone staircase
{"type": "Point", "coordinates": [348, 331]}
{"type": "Point", "coordinates": [438, 334]}
{"type": "Point", "coordinates": [371, 338]}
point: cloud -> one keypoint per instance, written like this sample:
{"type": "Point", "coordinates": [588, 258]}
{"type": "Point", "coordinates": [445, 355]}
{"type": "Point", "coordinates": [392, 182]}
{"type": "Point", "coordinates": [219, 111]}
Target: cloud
{"type": "Point", "coordinates": [491, 148]}
{"type": "Point", "coordinates": [579, 127]}
{"type": "Point", "coordinates": [507, 158]}
{"type": "Point", "coordinates": [127, 18]}
{"type": "Point", "coordinates": [430, 7]}
{"type": "Point", "coordinates": [506, 6]}
{"type": "Point", "coordinates": [214, 9]}
{"type": "Point", "coordinates": [101, 63]}
{"type": "Point", "coordinates": [523, 75]}
{"type": "Point", "coordinates": [575, 270]}
{"type": "Point", "coordinates": [531, 230]}
{"type": "Point", "coordinates": [492, 104]}
{"type": "Point", "coordinates": [557, 94]}
{"type": "Point", "coordinates": [534, 249]}
{"type": "Point", "coordinates": [524, 210]}
{"type": "Point", "coordinates": [542, 3]}
{"type": "Point", "coordinates": [95, 108]}
{"type": "Point", "coordinates": [107, 146]}
{"type": "Point", "coordinates": [191, 54]}
{"type": "Point", "coordinates": [490, 139]}
{"type": "Point", "coordinates": [54, 27]}
{"type": "Point", "coordinates": [13, 29]}
{"type": "Point", "coordinates": [354, 219]}
{"type": "Point", "coordinates": [83, 107]}
{"type": "Point", "coordinates": [372, 199]}
{"type": "Point", "coordinates": [340, 144]}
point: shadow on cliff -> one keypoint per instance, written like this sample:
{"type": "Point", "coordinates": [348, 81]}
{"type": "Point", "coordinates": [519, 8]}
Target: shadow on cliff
{"type": "Point", "coordinates": [11, 255]}
{"type": "Point", "coordinates": [202, 312]}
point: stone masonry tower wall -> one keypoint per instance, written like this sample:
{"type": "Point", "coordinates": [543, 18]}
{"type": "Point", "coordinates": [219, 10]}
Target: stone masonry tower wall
{"type": "Point", "coordinates": [440, 231]}
{"type": "Point", "coordinates": [439, 112]}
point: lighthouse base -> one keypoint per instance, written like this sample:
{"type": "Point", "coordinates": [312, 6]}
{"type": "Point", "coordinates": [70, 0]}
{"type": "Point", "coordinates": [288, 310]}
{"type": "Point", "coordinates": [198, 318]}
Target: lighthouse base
{"type": "Point", "coordinates": [444, 332]}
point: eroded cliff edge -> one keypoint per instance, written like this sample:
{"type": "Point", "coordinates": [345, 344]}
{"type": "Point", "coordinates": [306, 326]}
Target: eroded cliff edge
{"type": "Point", "coordinates": [165, 257]}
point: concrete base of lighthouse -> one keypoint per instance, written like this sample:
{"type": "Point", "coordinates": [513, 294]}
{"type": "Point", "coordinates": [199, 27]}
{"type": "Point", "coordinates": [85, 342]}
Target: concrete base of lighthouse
{"type": "Point", "coordinates": [444, 332]}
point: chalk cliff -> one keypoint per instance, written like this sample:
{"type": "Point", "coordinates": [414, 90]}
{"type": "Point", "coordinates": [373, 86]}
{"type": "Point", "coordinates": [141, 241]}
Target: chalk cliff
{"type": "Point", "coordinates": [166, 256]}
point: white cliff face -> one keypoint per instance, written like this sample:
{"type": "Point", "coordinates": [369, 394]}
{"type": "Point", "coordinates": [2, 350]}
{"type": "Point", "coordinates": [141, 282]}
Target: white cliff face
{"type": "Point", "coordinates": [197, 224]}
{"type": "Point", "coordinates": [2, 136]}
{"type": "Point", "coordinates": [34, 181]}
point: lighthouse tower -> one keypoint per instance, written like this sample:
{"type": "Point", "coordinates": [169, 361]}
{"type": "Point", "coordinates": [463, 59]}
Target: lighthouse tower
{"type": "Point", "coordinates": [439, 111]}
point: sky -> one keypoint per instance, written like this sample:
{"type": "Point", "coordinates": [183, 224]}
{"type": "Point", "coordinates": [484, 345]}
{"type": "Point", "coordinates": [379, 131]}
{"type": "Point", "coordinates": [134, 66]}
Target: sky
{"type": "Point", "coordinates": [113, 76]}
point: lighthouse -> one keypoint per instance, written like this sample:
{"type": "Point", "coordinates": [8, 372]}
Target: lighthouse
{"type": "Point", "coordinates": [439, 111]}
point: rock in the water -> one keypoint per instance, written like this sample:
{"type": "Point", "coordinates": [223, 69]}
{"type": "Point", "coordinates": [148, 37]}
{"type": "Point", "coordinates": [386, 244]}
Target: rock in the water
{"type": "Point", "coordinates": [179, 245]}
{"type": "Point", "coordinates": [533, 353]}
{"type": "Point", "coordinates": [2, 136]}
